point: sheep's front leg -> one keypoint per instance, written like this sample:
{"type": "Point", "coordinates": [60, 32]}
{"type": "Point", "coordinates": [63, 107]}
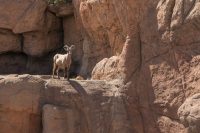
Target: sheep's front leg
{"type": "Point", "coordinates": [58, 72]}
{"type": "Point", "coordinates": [67, 73]}
{"type": "Point", "coordinates": [64, 73]}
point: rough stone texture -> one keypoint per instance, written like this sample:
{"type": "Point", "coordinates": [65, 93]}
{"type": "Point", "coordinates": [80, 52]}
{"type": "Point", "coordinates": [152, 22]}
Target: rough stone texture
{"type": "Point", "coordinates": [156, 45]}
{"type": "Point", "coordinates": [160, 55]}
{"type": "Point", "coordinates": [23, 15]}
{"type": "Point", "coordinates": [86, 66]}
{"type": "Point", "coordinates": [48, 38]}
{"type": "Point", "coordinates": [20, 63]}
{"type": "Point", "coordinates": [38, 44]}
{"type": "Point", "coordinates": [85, 106]}
{"type": "Point", "coordinates": [9, 42]}
{"type": "Point", "coordinates": [175, 18]}
{"type": "Point", "coordinates": [72, 36]}
{"type": "Point", "coordinates": [106, 69]}
{"type": "Point", "coordinates": [61, 9]}
{"type": "Point", "coordinates": [19, 107]}
{"type": "Point", "coordinates": [61, 120]}
{"type": "Point", "coordinates": [31, 33]}
{"type": "Point", "coordinates": [12, 63]}
{"type": "Point", "coordinates": [102, 25]}
{"type": "Point", "coordinates": [101, 29]}
{"type": "Point", "coordinates": [42, 65]}
{"type": "Point", "coordinates": [41, 29]}
{"type": "Point", "coordinates": [189, 113]}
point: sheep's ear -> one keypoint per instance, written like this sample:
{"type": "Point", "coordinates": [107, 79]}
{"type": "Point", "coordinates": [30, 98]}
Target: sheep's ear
{"type": "Point", "coordinates": [73, 47]}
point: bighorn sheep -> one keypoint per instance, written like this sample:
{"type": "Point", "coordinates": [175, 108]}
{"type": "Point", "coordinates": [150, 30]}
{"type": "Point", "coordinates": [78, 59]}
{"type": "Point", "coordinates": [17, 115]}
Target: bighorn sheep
{"type": "Point", "coordinates": [63, 61]}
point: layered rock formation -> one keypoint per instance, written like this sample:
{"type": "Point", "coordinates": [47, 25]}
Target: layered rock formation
{"type": "Point", "coordinates": [27, 102]}
{"type": "Point", "coordinates": [159, 61]}
{"type": "Point", "coordinates": [189, 113]}
{"type": "Point", "coordinates": [36, 29]}
{"type": "Point", "coordinates": [147, 49]}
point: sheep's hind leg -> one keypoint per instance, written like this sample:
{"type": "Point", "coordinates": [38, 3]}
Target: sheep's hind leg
{"type": "Point", "coordinates": [65, 73]}
{"type": "Point", "coordinates": [54, 68]}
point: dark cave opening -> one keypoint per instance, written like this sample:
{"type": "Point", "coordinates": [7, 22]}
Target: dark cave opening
{"type": "Point", "coordinates": [20, 63]}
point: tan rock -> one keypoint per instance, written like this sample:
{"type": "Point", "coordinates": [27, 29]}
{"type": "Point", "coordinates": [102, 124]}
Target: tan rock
{"type": "Point", "coordinates": [159, 60]}
{"type": "Point", "coordinates": [156, 47]}
{"type": "Point", "coordinates": [79, 78]}
{"type": "Point", "coordinates": [41, 29]}
{"type": "Point", "coordinates": [189, 113]}
{"type": "Point", "coordinates": [61, 9]}
{"type": "Point", "coordinates": [107, 69]}
{"type": "Point", "coordinates": [25, 17]}
{"type": "Point", "coordinates": [60, 119]}
{"type": "Point", "coordinates": [75, 106]}
{"type": "Point", "coordinates": [41, 43]}
{"type": "Point", "coordinates": [9, 42]}
{"type": "Point", "coordinates": [47, 39]}
{"type": "Point", "coordinates": [72, 36]}
{"type": "Point", "coordinates": [12, 63]}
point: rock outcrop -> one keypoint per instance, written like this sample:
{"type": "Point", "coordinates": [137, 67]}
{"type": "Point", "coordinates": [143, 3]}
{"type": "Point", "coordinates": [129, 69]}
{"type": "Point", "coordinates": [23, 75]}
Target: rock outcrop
{"type": "Point", "coordinates": [61, 119]}
{"type": "Point", "coordinates": [147, 49]}
{"type": "Point", "coordinates": [27, 102]}
{"type": "Point", "coordinates": [189, 113]}
{"type": "Point", "coordinates": [37, 30]}
{"type": "Point", "coordinates": [106, 69]}
{"type": "Point", "coordinates": [9, 41]}
{"type": "Point", "coordinates": [40, 29]}
{"type": "Point", "coordinates": [159, 59]}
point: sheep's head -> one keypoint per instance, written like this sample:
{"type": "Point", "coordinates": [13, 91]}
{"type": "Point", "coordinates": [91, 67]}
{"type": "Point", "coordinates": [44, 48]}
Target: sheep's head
{"type": "Point", "coordinates": [69, 49]}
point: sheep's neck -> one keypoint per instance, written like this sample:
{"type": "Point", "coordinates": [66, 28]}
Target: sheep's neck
{"type": "Point", "coordinates": [69, 54]}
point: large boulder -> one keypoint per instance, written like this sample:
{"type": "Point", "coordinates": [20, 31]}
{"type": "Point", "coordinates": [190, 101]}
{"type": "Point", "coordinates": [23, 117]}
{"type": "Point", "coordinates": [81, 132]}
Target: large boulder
{"type": "Point", "coordinates": [189, 113]}
{"type": "Point", "coordinates": [10, 42]}
{"type": "Point", "coordinates": [41, 43]}
{"type": "Point", "coordinates": [175, 18]}
{"type": "Point", "coordinates": [108, 33]}
{"type": "Point", "coordinates": [106, 69]}
{"type": "Point", "coordinates": [23, 15]}
{"type": "Point", "coordinates": [47, 39]}
{"type": "Point", "coordinates": [101, 29]}
{"type": "Point", "coordinates": [40, 31]}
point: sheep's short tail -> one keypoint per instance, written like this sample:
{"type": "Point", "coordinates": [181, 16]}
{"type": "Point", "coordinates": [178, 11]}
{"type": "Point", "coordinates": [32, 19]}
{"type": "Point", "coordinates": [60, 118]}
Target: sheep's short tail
{"type": "Point", "coordinates": [55, 58]}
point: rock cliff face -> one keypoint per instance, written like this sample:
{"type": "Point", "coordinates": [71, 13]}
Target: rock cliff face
{"type": "Point", "coordinates": [36, 30]}
{"type": "Point", "coordinates": [159, 61]}
{"type": "Point", "coordinates": [27, 102]}
{"type": "Point", "coordinates": [146, 50]}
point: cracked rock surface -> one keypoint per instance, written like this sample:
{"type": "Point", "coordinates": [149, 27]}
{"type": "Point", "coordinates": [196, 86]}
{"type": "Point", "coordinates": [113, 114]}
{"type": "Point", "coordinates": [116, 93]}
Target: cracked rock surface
{"type": "Point", "coordinates": [143, 57]}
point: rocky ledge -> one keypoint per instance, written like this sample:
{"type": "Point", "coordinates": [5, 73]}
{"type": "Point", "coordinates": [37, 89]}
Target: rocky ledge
{"type": "Point", "coordinates": [38, 104]}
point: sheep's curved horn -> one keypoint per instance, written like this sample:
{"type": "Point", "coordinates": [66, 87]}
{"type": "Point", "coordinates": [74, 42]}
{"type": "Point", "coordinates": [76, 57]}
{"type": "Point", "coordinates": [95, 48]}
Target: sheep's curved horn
{"type": "Point", "coordinates": [66, 46]}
